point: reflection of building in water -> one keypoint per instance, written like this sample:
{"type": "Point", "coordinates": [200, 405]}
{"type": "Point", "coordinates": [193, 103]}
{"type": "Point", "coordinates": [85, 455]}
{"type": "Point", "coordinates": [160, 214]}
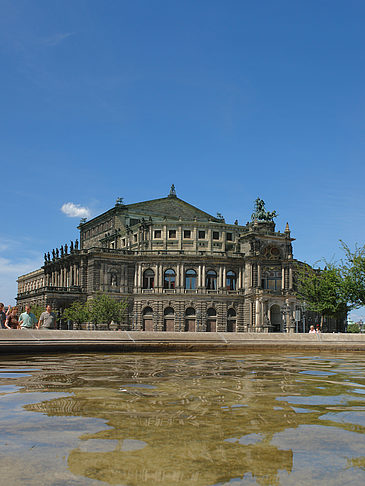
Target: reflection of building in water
{"type": "Point", "coordinates": [184, 411]}
{"type": "Point", "coordinates": [180, 268]}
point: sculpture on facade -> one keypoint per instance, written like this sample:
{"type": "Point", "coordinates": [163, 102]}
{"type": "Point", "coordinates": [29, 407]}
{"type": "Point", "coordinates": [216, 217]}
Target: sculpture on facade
{"type": "Point", "coordinates": [71, 246]}
{"type": "Point", "coordinates": [260, 213]}
{"type": "Point", "coordinates": [53, 255]}
{"type": "Point", "coordinates": [76, 244]}
{"type": "Point", "coordinates": [172, 190]}
{"type": "Point", "coordinates": [57, 253]}
{"type": "Point", "coordinates": [61, 251]}
{"type": "Point", "coordinates": [66, 248]}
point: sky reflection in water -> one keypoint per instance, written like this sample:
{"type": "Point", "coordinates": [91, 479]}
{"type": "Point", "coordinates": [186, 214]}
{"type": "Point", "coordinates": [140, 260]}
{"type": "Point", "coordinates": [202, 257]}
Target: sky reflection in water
{"type": "Point", "coordinates": [194, 419]}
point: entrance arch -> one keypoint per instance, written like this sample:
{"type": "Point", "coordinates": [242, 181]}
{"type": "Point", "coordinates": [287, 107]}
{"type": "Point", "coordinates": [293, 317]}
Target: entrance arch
{"type": "Point", "coordinates": [169, 319]}
{"type": "Point", "coordinates": [147, 319]}
{"type": "Point", "coordinates": [275, 318]}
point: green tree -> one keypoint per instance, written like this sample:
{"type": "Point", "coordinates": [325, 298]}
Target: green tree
{"type": "Point", "coordinates": [103, 309]}
{"type": "Point", "coordinates": [77, 312]}
{"type": "Point", "coordinates": [353, 328]}
{"type": "Point", "coordinates": [353, 274]}
{"type": "Point", "coordinates": [37, 310]}
{"type": "Point", "coordinates": [323, 290]}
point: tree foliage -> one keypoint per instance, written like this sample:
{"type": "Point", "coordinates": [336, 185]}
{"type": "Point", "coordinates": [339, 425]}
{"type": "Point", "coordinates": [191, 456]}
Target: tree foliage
{"type": "Point", "coordinates": [323, 290]}
{"type": "Point", "coordinates": [353, 328]}
{"type": "Point", "coordinates": [104, 309]}
{"type": "Point", "coordinates": [77, 312]}
{"type": "Point", "coordinates": [353, 273]}
{"type": "Point", "coordinates": [37, 310]}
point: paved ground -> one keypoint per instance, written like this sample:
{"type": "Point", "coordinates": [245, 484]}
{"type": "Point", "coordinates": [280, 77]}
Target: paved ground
{"type": "Point", "coordinates": [33, 341]}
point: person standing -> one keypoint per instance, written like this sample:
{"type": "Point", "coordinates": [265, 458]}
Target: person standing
{"type": "Point", "coordinates": [2, 316]}
{"type": "Point", "coordinates": [27, 319]}
{"type": "Point", "coordinates": [47, 319]}
{"type": "Point", "coordinates": [11, 321]}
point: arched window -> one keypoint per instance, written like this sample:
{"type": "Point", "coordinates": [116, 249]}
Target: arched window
{"type": "Point", "coordinates": [190, 279]}
{"type": "Point", "coordinates": [147, 311]}
{"type": "Point", "coordinates": [231, 320]}
{"type": "Point", "coordinates": [169, 279]}
{"type": "Point", "coordinates": [169, 319]}
{"type": "Point", "coordinates": [190, 311]}
{"type": "Point", "coordinates": [211, 280]}
{"type": "Point", "coordinates": [190, 319]}
{"type": "Point", "coordinates": [231, 280]}
{"type": "Point", "coordinates": [148, 279]}
{"type": "Point", "coordinates": [147, 324]}
{"type": "Point", "coordinates": [211, 320]}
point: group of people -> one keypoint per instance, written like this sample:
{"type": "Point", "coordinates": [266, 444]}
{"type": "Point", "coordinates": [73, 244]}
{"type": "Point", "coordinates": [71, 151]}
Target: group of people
{"type": "Point", "coordinates": [313, 330]}
{"type": "Point", "coordinates": [26, 320]}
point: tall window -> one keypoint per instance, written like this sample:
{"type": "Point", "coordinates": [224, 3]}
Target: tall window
{"type": "Point", "coordinates": [169, 279]}
{"type": "Point", "coordinates": [148, 279]}
{"type": "Point", "coordinates": [231, 281]}
{"type": "Point", "coordinates": [271, 280]}
{"type": "Point", "coordinates": [190, 279]}
{"type": "Point", "coordinates": [211, 280]}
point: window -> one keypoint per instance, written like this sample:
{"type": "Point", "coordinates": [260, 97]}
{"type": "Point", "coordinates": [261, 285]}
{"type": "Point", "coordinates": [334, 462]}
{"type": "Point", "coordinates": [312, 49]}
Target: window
{"type": "Point", "coordinates": [157, 233]}
{"type": "Point", "coordinates": [229, 236]}
{"type": "Point", "coordinates": [187, 234]}
{"type": "Point", "coordinates": [148, 279]}
{"type": "Point", "coordinates": [123, 242]}
{"type": "Point", "coordinates": [201, 235]}
{"type": "Point", "coordinates": [215, 235]}
{"type": "Point", "coordinates": [211, 280]}
{"type": "Point", "coordinates": [169, 279]}
{"type": "Point", "coordinates": [271, 280]}
{"type": "Point", "coordinates": [190, 279]}
{"type": "Point", "coordinates": [231, 281]}
{"type": "Point", "coordinates": [172, 233]}
{"type": "Point", "coordinates": [135, 238]}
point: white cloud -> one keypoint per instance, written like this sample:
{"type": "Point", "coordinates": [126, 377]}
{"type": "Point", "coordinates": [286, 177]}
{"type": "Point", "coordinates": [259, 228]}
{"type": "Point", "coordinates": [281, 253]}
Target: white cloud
{"type": "Point", "coordinates": [56, 39]}
{"type": "Point", "coordinates": [75, 210]}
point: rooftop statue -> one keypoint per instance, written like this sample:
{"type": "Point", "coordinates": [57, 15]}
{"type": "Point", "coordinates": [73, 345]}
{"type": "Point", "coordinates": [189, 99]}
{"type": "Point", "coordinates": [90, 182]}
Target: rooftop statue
{"type": "Point", "coordinates": [260, 213]}
{"type": "Point", "coordinates": [172, 190]}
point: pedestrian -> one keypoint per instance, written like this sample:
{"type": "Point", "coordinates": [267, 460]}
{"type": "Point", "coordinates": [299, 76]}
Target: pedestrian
{"type": "Point", "coordinates": [27, 319]}
{"type": "Point", "coordinates": [2, 316]}
{"type": "Point", "coordinates": [11, 321]}
{"type": "Point", "coordinates": [47, 319]}
{"type": "Point", "coordinates": [312, 330]}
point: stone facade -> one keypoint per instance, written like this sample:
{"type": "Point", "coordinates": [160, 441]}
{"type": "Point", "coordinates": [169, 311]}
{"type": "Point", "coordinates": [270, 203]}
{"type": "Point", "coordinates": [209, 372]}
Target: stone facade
{"type": "Point", "coordinates": [179, 268]}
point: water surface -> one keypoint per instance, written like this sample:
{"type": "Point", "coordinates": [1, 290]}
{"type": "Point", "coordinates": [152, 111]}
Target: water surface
{"type": "Point", "coordinates": [188, 419]}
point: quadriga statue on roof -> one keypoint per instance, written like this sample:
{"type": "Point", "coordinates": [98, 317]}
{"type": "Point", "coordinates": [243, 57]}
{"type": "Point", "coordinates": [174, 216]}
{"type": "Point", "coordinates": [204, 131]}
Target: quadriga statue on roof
{"type": "Point", "coordinates": [260, 213]}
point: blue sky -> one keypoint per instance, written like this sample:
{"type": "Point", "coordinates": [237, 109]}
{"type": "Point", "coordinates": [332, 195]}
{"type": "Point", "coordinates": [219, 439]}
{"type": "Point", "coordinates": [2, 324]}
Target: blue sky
{"type": "Point", "coordinates": [227, 100]}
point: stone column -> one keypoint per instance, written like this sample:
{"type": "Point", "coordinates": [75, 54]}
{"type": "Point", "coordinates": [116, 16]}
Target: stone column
{"type": "Point", "coordinates": [220, 278]}
{"type": "Point", "coordinates": [283, 278]}
{"type": "Point", "coordinates": [290, 278]}
{"type": "Point", "coordinates": [139, 281]}
{"type": "Point", "coordinates": [224, 278]}
{"type": "Point", "coordinates": [258, 316]}
{"type": "Point", "coordinates": [160, 276]}
{"type": "Point", "coordinates": [203, 277]}
{"type": "Point", "coordinates": [249, 275]}
{"type": "Point", "coordinates": [259, 275]}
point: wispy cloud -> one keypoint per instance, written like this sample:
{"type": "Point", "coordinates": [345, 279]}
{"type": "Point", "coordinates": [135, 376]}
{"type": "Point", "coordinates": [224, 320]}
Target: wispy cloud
{"type": "Point", "coordinates": [73, 210]}
{"type": "Point", "coordinates": [55, 39]}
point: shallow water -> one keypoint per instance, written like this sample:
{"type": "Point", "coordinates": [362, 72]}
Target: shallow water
{"type": "Point", "coordinates": [188, 419]}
